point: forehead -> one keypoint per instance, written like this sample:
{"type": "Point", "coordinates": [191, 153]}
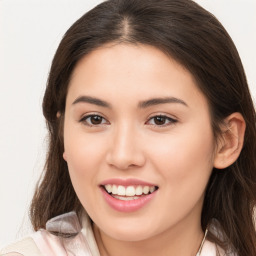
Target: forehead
{"type": "Point", "coordinates": [125, 58]}
{"type": "Point", "coordinates": [130, 72]}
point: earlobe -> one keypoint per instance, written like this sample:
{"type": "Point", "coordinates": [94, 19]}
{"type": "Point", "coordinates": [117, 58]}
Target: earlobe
{"type": "Point", "coordinates": [231, 141]}
{"type": "Point", "coordinates": [64, 156]}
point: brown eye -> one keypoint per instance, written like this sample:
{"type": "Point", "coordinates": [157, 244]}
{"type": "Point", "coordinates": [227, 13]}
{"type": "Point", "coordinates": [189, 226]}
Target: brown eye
{"type": "Point", "coordinates": [93, 120]}
{"type": "Point", "coordinates": [161, 120]}
{"type": "Point", "coordinates": [96, 120]}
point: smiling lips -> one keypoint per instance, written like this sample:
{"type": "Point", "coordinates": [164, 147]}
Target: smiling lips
{"type": "Point", "coordinates": [130, 190]}
{"type": "Point", "coordinates": [127, 198]}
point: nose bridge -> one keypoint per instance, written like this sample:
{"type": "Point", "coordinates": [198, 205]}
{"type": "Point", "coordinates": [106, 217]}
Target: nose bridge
{"type": "Point", "coordinates": [125, 150]}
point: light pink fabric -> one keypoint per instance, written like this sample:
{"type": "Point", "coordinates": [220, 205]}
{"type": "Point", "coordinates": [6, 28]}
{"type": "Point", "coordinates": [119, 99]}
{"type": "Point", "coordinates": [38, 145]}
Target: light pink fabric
{"type": "Point", "coordinates": [209, 249]}
{"type": "Point", "coordinates": [67, 239]}
{"type": "Point", "coordinates": [13, 254]}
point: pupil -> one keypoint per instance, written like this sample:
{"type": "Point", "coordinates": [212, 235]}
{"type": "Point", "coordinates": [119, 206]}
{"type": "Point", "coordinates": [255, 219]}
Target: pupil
{"type": "Point", "coordinates": [96, 120]}
{"type": "Point", "coordinates": [159, 120]}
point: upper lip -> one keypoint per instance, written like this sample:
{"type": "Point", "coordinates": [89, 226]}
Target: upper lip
{"type": "Point", "coordinates": [126, 182]}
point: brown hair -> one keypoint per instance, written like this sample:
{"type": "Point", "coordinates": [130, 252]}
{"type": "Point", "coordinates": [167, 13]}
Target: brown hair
{"type": "Point", "coordinates": [195, 38]}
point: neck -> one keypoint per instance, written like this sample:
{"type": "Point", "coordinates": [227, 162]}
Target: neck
{"type": "Point", "coordinates": [183, 239]}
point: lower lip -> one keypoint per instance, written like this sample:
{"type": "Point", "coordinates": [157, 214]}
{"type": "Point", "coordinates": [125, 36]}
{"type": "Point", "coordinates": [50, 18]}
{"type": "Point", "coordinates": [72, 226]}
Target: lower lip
{"type": "Point", "coordinates": [127, 206]}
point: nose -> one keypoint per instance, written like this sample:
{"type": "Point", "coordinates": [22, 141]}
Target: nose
{"type": "Point", "coordinates": [125, 150]}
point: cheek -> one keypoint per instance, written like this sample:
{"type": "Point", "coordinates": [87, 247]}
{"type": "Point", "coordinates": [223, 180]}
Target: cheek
{"type": "Point", "coordinates": [185, 163]}
{"type": "Point", "coordinates": [82, 152]}
{"type": "Point", "coordinates": [185, 159]}
{"type": "Point", "coordinates": [83, 155]}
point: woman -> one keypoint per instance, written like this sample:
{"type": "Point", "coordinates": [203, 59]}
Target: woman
{"type": "Point", "coordinates": [151, 138]}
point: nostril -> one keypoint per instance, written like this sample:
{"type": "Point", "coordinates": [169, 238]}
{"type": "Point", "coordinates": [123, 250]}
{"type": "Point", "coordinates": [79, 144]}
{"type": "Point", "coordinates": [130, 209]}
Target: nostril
{"type": "Point", "coordinates": [124, 157]}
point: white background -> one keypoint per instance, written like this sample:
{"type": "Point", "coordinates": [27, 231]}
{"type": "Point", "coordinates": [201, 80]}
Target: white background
{"type": "Point", "coordinates": [30, 31]}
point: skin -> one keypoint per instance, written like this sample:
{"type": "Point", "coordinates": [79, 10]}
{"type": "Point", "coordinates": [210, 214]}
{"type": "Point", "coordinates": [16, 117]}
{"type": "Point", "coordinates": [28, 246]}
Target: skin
{"type": "Point", "coordinates": [177, 156]}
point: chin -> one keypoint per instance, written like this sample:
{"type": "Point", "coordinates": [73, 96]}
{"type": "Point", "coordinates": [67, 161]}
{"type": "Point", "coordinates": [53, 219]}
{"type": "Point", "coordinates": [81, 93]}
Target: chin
{"type": "Point", "coordinates": [129, 232]}
{"type": "Point", "coordinates": [129, 236]}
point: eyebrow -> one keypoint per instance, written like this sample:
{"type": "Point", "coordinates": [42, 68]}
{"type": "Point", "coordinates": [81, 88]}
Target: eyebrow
{"type": "Point", "coordinates": [92, 100]}
{"type": "Point", "coordinates": [142, 104]}
{"type": "Point", "coordinates": [157, 101]}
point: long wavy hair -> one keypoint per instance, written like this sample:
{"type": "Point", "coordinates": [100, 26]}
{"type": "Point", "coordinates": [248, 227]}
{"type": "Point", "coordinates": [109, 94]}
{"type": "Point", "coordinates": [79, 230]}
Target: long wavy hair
{"type": "Point", "coordinates": [197, 40]}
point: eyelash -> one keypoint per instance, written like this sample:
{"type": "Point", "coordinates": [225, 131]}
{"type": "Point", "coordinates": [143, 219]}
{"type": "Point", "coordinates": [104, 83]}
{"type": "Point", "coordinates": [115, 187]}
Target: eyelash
{"type": "Point", "coordinates": [170, 121]}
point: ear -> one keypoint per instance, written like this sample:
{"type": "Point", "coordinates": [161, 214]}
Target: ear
{"type": "Point", "coordinates": [231, 141]}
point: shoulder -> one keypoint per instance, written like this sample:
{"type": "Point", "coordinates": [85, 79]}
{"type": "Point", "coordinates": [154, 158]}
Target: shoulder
{"type": "Point", "coordinates": [23, 247]}
{"type": "Point", "coordinates": [63, 234]}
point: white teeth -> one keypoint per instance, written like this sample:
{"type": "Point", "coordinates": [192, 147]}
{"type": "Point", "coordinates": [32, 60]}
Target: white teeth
{"type": "Point", "coordinates": [114, 189]}
{"type": "Point", "coordinates": [129, 191]}
{"type": "Point", "coordinates": [121, 190]}
{"type": "Point", "coordinates": [108, 188]}
{"type": "Point", "coordinates": [126, 198]}
{"type": "Point", "coordinates": [138, 191]}
{"type": "Point", "coordinates": [145, 190]}
{"type": "Point", "coordinates": [152, 189]}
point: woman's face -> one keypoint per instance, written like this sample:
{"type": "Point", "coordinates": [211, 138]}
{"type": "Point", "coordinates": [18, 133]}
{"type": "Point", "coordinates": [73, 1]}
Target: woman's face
{"type": "Point", "coordinates": [137, 125]}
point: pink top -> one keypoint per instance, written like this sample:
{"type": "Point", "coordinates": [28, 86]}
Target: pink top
{"type": "Point", "coordinates": [76, 241]}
